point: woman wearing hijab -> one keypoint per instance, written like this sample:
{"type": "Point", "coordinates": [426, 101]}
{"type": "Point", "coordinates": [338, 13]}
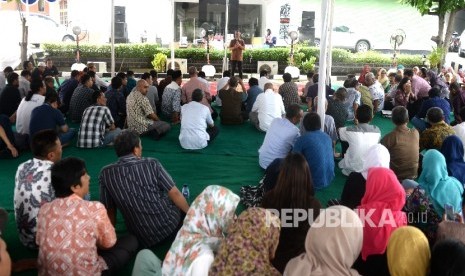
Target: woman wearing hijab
{"type": "Point", "coordinates": [457, 101]}
{"type": "Point", "coordinates": [408, 252]}
{"type": "Point", "coordinates": [293, 191]}
{"type": "Point", "coordinates": [382, 78]}
{"type": "Point", "coordinates": [204, 228]}
{"type": "Point", "coordinates": [330, 249]}
{"type": "Point", "coordinates": [425, 204]}
{"type": "Point", "coordinates": [354, 188]}
{"type": "Point", "coordinates": [250, 245]}
{"type": "Point", "coordinates": [381, 209]}
{"type": "Point", "coordinates": [452, 149]}
{"type": "Point", "coordinates": [438, 83]}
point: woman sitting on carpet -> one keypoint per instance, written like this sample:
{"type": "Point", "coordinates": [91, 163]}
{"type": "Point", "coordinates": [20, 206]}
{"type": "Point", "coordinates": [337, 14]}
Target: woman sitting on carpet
{"type": "Point", "coordinates": [408, 252]}
{"type": "Point", "coordinates": [384, 198]}
{"type": "Point", "coordinates": [250, 245]}
{"type": "Point", "coordinates": [452, 149]}
{"type": "Point", "coordinates": [425, 203]}
{"type": "Point", "coordinates": [204, 228]}
{"type": "Point", "coordinates": [354, 188]}
{"type": "Point", "coordinates": [293, 191]}
{"type": "Point", "coordinates": [330, 250]}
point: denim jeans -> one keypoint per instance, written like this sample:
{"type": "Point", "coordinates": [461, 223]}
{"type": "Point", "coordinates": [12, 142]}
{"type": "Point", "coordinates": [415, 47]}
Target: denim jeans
{"type": "Point", "coordinates": [110, 136]}
{"type": "Point", "coordinates": [66, 137]}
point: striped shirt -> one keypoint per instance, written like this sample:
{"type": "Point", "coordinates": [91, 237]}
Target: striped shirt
{"type": "Point", "coordinates": [95, 120]}
{"type": "Point", "coordinates": [139, 188]}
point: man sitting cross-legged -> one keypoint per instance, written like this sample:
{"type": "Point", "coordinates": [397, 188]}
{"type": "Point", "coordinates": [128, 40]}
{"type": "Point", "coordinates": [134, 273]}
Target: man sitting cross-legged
{"type": "Point", "coordinates": [33, 185]}
{"type": "Point", "coordinates": [358, 139]}
{"type": "Point", "coordinates": [280, 137]}
{"type": "Point", "coordinates": [317, 148]}
{"type": "Point", "coordinates": [197, 126]}
{"type": "Point", "coordinates": [433, 137]}
{"type": "Point", "coordinates": [97, 125]}
{"type": "Point", "coordinates": [152, 207]}
{"type": "Point", "coordinates": [403, 146]}
{"type": "Point", "coordinates": [75, 236]}
{"type": "Point", "coordinates": [141, 118]}
{"type": "Point", "coordinates": [267, 106]}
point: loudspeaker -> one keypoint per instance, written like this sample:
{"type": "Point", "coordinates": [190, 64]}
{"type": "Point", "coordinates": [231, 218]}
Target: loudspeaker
{"type": "Point", "coordinates": [308, 15]}
{"type": "Point", "coordinates": [307, 34]}
{"type": "Point", "coordinates": [120, 14]}
{"type": "Point", "coordinates": [308, 23]}
{"type": "Point", "coordinates": [121, 30]}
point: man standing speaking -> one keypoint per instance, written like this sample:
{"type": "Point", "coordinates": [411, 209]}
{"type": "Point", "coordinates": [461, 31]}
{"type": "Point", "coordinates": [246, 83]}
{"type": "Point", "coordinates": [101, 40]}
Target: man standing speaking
{"type": "Point", "coordinates": [236, 46]}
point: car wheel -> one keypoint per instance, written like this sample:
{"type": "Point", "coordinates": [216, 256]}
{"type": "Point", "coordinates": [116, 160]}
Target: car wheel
{"type": "Point", "coordinates": [317, 42]}
{"type": "Point", "coordinates": [362, 46]}
{"type": "Point", "coordinates": [68, 38]}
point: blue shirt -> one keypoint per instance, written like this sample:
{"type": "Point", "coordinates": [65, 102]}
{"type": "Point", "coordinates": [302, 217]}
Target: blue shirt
{"type": "Point", "coordinates": [317, 148]}
{"type": "Point", "coordinates": [253, 92]}
{"type": "Point", "coordinates": [45, 117]}
{"type": "Point", "coordinates": [435, 102]}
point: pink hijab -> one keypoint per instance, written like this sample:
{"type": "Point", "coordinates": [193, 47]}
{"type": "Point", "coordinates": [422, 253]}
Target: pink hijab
{"type": "Point", "coordinates": [380, 210]}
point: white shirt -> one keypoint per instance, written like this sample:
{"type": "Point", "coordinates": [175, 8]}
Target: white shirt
{"type": "Point", "coordinates": [278, 142]}
{"type": "Point", "coordinates": [359, 143]}
{"type": "Point", "coordinates": [269, 106]}
{"type": "Point", "coordinates": [262, 81]}
{"type": "Point", "coordinates": [24, 86]}
{"type": "Point", "coordinates": [23, 113]}
{"type": "Point", "coordinates": [99, 82]}
{"type": "Point", "coordinates": [219, 85]}
{"type": "Point", "coordinates": [377, 93]}
{"type": "Point", "coordinates": [195, 118]}
{"type": "Point", "coordinates": [460, 132]}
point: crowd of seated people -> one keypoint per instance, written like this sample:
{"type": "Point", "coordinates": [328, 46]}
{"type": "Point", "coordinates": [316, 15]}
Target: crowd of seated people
{"type": "Point", "coordinates": [400, 208]}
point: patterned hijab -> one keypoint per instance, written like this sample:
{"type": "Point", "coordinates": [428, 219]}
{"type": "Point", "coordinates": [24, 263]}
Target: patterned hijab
{"type": "Point", "coordinates": [452, 149]}
{"type": "Point", "coordinates": [408, 252]}
{"type": "Point", "coordinates": [330, 249]}
{"type": "Point", "coordinates": [438, 185]}
{"type": "Point", "coordinates": [383, 201]}
{"type": "Point", "coordinates": [251, 243]}
{"type": "Point", "coordinates": [376, 156]}
{"type": "Point", "coordinates": [203, 229]}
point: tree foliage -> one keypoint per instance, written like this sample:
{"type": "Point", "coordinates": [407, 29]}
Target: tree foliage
{"type": "Point", "coordinates": [441, 7]}
{"type": "Point", "coordinates": [445, 10]}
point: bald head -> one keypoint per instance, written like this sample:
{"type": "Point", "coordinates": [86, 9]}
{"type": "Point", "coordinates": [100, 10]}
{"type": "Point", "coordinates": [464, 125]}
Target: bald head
{"type": "Point", "coordinates": [192, 71]}
{"type": "Point", "coordinates": [268, 85]}
{"type": "Point", "coordinates": [142, 86]}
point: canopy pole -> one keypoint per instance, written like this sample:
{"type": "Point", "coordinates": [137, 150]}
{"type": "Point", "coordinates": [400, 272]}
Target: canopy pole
{"type": "Point", "coordinates": [325, 26]}
{"type": "Point", "coordinates": [113, 62]}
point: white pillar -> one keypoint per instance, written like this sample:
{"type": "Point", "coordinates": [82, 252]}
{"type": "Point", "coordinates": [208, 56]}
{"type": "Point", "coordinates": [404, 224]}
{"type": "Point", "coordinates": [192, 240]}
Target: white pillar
{"type": "Point", "coordinates": [172, 35]}
{"type": "Point", "coordinates": [113, 63]}
{"type": "Point", "coordinates": [326, 7]}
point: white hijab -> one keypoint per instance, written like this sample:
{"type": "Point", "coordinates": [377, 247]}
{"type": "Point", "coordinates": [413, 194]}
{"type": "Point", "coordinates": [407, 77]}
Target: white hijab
{"type": "Point", "coordinates": [331, 249]}
{"type": "Point", "coordinates": [376, 156]}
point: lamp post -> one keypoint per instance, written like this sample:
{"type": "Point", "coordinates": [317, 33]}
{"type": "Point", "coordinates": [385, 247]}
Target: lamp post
{"type": "Point", "coordinates": [77, 32]}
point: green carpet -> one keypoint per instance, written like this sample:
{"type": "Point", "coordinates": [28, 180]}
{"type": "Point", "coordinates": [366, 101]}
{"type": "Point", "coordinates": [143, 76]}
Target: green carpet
{"type": "Point", "coordinates": [231, 161]}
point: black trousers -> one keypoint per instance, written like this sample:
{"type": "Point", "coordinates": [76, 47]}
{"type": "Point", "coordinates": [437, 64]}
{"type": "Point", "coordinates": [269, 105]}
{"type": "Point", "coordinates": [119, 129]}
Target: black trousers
{"type": "Point", "coordinates": [239, 67]}
{"type": "Point", "coordinates": [119, 255]}
{"type": "Point", "coordinates": [213, 132]}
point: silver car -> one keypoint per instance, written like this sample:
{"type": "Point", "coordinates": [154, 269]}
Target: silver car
{"type": "Point", "coordinates": [343, 37]}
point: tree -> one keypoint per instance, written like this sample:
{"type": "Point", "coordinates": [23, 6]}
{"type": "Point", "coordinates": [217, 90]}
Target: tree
{"type": "Point", "coordinates": [445, 10]}
{"type": "Point", "coordinates": [24, 36]}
